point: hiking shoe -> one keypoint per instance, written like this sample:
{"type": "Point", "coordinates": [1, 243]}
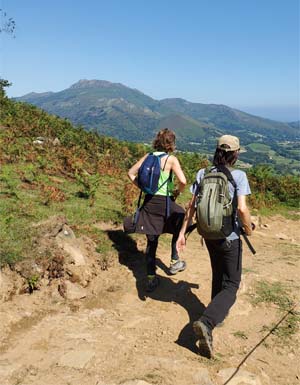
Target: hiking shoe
{"type": "Point", "coordinates": [204, 334]}
{"type": "Point", "coordinates": [220, 324]}
{"type": "Point", "coordinates": [177, 266]}
{"type": "Point", "coordinates": [152, 283]}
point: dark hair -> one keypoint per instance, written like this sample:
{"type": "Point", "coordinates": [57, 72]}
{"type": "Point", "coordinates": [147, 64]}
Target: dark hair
{"type": "Point", "coordinates": [222, 157]}
{"type": "Point", "coordinates": [164, 140]}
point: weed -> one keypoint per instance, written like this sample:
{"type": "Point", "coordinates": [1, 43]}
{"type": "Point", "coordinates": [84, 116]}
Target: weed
{"type": "Point", "coordinates": [89, 185]}
{"type": "Point", "coordinates": [33, 283]}
{"type": "Point", "coordinates": [104, 261]}
{"type": "Point", "coordinates": [240, 334]}
{"type": "Point", "coordinates": [154, 378]}
{"type": "Point", "coordinates": [42, 162]}
{"type": "Point", "coordinates": [129, 198]}
{"type": "Point", "coordinates": [287, 329]}
{"type": "Point", "coordinates": [266, 345]}
{"type": "Point", "coordinates": [218, 357]}
{"type": "Point", "coordinates": [51, 194]}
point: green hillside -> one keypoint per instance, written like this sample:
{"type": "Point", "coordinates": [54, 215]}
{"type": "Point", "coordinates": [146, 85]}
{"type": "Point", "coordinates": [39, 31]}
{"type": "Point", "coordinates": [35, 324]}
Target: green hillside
{"type": "Point", "coordinates": [49, 167]}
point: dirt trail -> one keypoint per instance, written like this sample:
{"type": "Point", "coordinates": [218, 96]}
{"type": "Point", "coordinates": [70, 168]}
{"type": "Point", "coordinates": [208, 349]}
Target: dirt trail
{"type": "Point", "coordinates": [118, 335]}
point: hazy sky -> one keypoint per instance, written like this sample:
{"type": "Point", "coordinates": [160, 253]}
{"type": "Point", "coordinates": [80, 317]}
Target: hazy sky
{"type": "Point", "coordinates": [242, 53]}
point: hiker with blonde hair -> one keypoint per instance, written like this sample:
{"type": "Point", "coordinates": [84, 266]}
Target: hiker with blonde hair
{"type": "Point", "coordinates": [159, 212]}
{"type": "Point", "coordinates": [223, 243]}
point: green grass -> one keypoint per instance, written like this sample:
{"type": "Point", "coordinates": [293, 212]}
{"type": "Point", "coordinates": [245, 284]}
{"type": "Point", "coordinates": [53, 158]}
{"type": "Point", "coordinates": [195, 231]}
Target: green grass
{"type": "Point", "coordinates": [287, 329]}
{"type": "Point", "coordinates": [289, 251]}
{"type": "Point", "coordinates": [259, 147]}
{"type": "Point", "coordinates": [279, 160]}
{"type": "Point", "coordinates": [272, 293]}
{"type": "Point", "coordinates": [165, 239]}
{"type": "Point", "coordinates": [25, 203]}
{"type": "Point", "coordinates": [184, 198]}
{"type": "Point", "coordinates": [287, 212]}
{"type": "Point", "coordinates": [277, 294]}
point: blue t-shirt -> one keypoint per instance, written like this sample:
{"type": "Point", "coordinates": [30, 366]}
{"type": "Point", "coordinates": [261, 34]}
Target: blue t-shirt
{"type": "Point", "coordinates": [243, 188]}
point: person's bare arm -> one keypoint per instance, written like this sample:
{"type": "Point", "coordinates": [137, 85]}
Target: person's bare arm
{"type": "Point", "coordinates": [244, 214]}
{"type": "Point", "coordinates": [132, 173]}
{"type": "Point", "coordinates": [175, 166]}
{"type": "Point", "coordinates": [180, 244]}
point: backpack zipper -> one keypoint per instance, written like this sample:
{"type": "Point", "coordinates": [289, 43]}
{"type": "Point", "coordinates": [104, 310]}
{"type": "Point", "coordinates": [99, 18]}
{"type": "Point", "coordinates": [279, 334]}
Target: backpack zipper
{"type": "Point", "coordinates": [208, 209]}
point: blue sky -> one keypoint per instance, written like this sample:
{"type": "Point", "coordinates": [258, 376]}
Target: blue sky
{"type": "Point", "coordinates": [242, 53]}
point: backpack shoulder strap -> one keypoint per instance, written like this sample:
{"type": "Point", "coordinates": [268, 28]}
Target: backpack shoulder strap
{"type": "Point", "coordinates": [208, 170]}
{"type": "Point", "coordinates": [171, 171]}
{"type": "Point", "coordinates": [196, 184]}
{"type": "Point", "coordinates": [229, 176]}
{"type": "Point", "coordinates": [160, 156]}
{"type": "Point", "coordinates": [227, 172]}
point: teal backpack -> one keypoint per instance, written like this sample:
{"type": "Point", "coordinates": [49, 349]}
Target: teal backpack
{"type": "Point", "coordinates": [216, 210]}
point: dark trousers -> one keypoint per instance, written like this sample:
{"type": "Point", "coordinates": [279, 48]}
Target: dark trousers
{"type": "Point", "coordinates": [226, 265]}
{"type": "Point", "coordinates": [152, 242]}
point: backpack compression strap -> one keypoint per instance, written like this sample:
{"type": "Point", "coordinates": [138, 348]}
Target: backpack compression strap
{"type": "Point", "coordinates": [227, 172]}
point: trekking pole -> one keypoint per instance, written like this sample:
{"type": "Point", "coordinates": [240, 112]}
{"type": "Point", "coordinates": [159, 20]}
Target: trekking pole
{"type": "Point", "coordinates": [271, 331]}
{"type": "Point", "coordinates": [246, 239]}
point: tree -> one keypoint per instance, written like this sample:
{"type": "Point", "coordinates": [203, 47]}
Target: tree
{"type": "Point", "coordinates": [3, 83]}
{"type": "Point", "coordinates": [8, 25]}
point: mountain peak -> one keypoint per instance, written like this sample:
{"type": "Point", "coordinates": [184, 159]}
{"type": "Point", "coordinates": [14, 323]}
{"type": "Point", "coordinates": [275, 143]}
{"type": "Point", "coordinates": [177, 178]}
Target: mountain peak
{"type": "Point", "coordinates": [175, 100]}
{"type": "Point", "coordinates": [94, 83]}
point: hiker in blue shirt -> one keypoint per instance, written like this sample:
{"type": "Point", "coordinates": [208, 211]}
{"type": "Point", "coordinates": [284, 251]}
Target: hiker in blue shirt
{"type": "Point", "coordinates": [225, 254]}
{"type": "Point", "coordinates": [159, 212]}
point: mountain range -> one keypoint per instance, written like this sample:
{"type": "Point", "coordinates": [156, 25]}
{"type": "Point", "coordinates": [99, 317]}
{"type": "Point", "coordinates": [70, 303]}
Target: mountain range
{"type": "Point", "coordinates": [116, 110]}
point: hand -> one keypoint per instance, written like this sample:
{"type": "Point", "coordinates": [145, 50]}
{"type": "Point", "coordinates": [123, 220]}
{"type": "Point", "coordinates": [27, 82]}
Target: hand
{"type": "Point", "coordinates": [180, 244]}
{"type": "Point", "coordinates": [176, 193]}
{"type": "Point", "coordinates": [247, 229]}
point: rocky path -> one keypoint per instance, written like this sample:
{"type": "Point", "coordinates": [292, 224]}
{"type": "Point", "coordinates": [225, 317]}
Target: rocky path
{"type": "Point", "coordinates": [115, 334]}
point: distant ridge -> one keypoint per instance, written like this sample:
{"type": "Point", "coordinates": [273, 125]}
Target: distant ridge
{"type": "Point", "coordinates": [119, 111]}
{"type": "Point", "coordinates": [37, 94]}
{"type": "Point", "coordinates": [84, 83]}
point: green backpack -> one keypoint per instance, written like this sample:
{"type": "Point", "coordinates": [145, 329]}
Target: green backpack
{"type": "Point", "coordinates": [215, 209]}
